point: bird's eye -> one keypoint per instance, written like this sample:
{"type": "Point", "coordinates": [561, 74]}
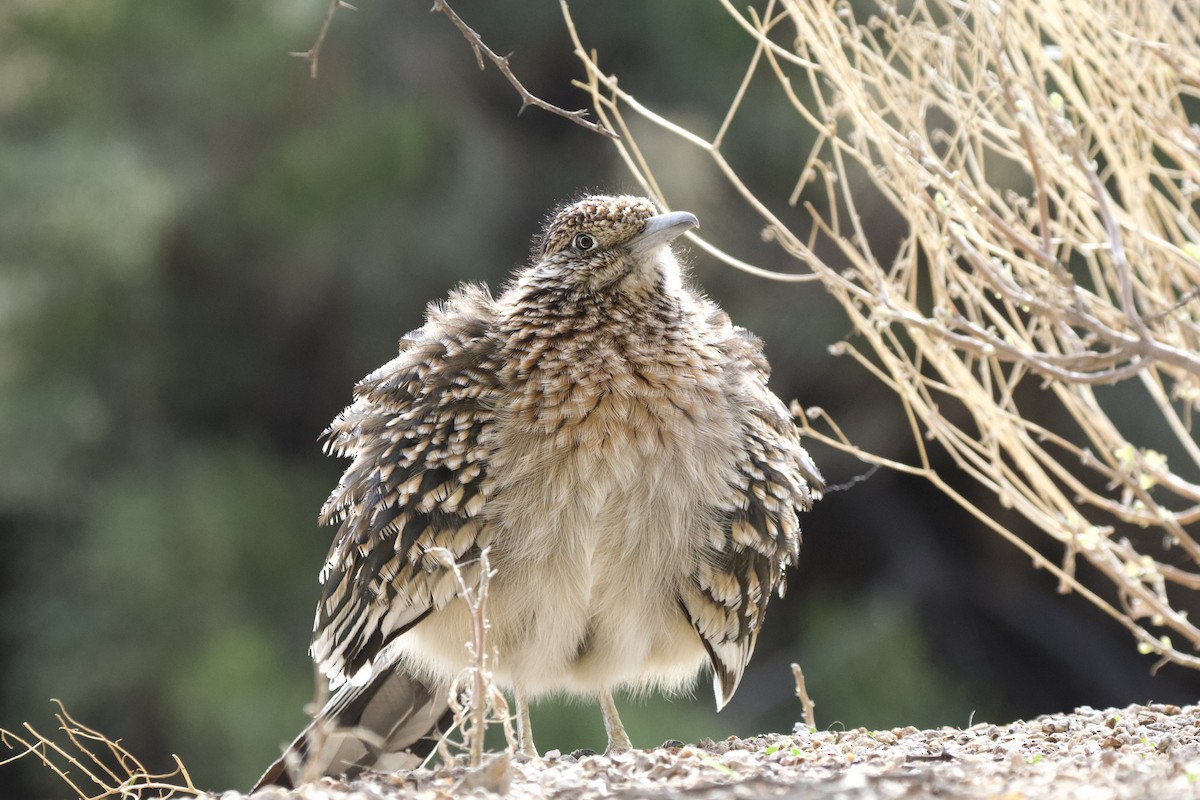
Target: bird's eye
{"type": "Point", "coordinates": [584, 241]}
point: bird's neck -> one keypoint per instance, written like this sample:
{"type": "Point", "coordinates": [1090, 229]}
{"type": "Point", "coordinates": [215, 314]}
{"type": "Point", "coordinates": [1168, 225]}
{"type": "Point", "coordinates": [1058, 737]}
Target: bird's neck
{"type": "Point", "coordinates": [547, 323]}
{"type": "Point", "coordinates": [570, 351]}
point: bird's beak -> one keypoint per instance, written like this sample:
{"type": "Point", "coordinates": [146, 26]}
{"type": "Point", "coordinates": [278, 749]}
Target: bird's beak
{"type": "Point", "coordinates": [661, 230]}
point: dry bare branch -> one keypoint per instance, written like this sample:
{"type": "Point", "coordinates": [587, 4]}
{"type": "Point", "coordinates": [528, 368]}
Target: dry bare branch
{"type": "Point", "coordinates": [313, 54]}
{"type": "Point", "coordinates": [810, 717]}
{"type": "Point", "coordinates": [480, 49]}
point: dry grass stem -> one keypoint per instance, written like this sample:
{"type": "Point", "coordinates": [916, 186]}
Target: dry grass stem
{"type": "Point", "coordinates": [810, 718]}
{"type": "Point", "coordinates": [1042, 164]}
{"type": "Point", "coordinates": [92, 765]}
{"type": "Point", "coordinates": [474, 697]}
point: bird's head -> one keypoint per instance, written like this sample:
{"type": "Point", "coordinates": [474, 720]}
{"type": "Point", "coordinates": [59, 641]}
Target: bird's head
{"type": "Point", "coordinates": [602, 241]}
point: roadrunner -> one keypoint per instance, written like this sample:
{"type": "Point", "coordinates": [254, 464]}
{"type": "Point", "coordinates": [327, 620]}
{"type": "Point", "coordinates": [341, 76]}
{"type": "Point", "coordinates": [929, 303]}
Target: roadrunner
{"type": "Point", "coordinates": [609, 434]}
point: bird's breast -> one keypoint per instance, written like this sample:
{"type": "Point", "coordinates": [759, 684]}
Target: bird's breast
{"type": "Point", "coordinates": [600, 497]}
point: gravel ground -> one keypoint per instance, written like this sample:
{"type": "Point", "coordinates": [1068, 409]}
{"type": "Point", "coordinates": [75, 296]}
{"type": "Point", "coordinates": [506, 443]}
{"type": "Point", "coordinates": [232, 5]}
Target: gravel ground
{"type": "Point", "coordinates": [1136, 752]}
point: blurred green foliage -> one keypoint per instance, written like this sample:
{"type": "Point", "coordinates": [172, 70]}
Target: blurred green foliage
{"type": "Point", "coordinates": [201, 249]}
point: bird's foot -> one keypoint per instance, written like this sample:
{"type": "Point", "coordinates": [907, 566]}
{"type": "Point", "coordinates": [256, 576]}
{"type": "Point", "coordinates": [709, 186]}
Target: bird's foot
{"type": "Point", "coordinates": [525, 730]}
{"type": "Point", "coordinates": [618, 740]}
{"type": "Point", "coordinates": [521, 757]}
{"type": "Point", "coordinates": [614, 749]}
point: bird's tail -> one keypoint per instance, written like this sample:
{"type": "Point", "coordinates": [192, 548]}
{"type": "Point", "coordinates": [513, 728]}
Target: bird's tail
{"type": "Point", "coordinates": [391, 723]}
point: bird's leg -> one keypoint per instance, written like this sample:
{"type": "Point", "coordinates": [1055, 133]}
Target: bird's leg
{"type": "Point", "coordinates": [526, 732]}
{"type": "Point", "coordinates": [618, 740]}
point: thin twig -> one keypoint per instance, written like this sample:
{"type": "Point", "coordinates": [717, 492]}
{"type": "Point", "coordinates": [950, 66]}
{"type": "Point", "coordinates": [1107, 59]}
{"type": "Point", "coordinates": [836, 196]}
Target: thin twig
{"type": "Point", "coordinates": [473, 718]}
{"type": "Point", "coordinates": [810, 718]}
{"type": "Point", "coordinates": [313, 54]}
{"type": "Point", "coordinates": [527, 98]}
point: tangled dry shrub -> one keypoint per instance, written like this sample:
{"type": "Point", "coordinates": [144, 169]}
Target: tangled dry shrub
{"type": "Point", "coordinates": [92, 765]}
{"type": "Point", "coordinates": [1043, 161]}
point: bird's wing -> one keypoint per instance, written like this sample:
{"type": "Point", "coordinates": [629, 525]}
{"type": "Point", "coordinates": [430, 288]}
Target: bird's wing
{"type": "Point", "coordinates": [755, 533]}
{"type": "Point", "coordinates": [418, 480]}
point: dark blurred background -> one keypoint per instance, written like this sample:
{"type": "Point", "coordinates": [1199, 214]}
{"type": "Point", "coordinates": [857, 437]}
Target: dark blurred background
{"type": "Point", "coordinates": [202, 249]}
